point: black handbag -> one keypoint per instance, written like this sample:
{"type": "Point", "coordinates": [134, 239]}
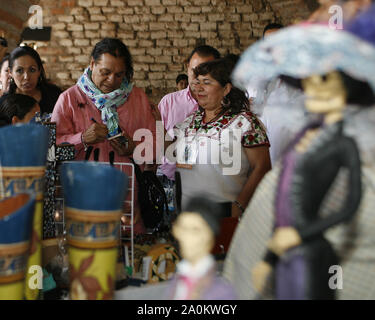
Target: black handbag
{"type": "Point", "coordinates": [151, 198]}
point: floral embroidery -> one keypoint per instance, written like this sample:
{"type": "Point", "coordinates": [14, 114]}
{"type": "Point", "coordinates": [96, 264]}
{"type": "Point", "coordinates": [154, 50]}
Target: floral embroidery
{"type": "Point", "coordinates": [252, 132]}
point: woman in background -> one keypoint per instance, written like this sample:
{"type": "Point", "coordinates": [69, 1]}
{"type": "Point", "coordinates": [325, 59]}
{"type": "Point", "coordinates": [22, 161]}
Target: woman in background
{"type": "Point", "coordinates": [18, 108]}
{"type": "Point", "coordinates": [224, 110]}
{"type": "Point", "coordinates": [4, 75]}
{"type": "Point", "coordinates": [27, 76]}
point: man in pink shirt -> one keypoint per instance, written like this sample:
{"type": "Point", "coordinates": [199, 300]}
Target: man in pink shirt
{"type": "Point", "coordinates": [105, 103]}
{"type": "Point", "coordinates": [175, 107]}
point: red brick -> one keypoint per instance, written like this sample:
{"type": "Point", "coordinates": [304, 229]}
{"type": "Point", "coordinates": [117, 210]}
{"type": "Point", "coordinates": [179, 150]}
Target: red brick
{"type": "Point", "coordinates": [7, 17]}
{"type": "Point", "coordinates": [56, 11]}
{"type": "Point", "coordinates": [68, 3]}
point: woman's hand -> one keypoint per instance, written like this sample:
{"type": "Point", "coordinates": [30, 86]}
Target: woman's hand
{"type": "Point", "coordinates": [259, 160]}
{"type": "Point", "coordinates": [283, 239]}
{"type": "Point", "coordinates": [97, 132]}
{"type": "Point", "coordinates": [123, 149]}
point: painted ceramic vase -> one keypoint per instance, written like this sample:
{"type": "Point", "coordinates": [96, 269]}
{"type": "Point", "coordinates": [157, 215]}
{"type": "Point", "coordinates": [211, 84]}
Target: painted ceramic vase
{"type": "Point", "coordinates": [23, 154]}
{"type": "Point", "coordinates": [93, 195]}
{"type": "Point", "coordinates": [16, 222]}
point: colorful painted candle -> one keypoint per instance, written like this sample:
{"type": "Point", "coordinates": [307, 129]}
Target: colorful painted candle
{"type": "Point", "coordinates": [93, 195]}
{"type": "Point", "coordinates": [23, 154]}
{"type": "Point", "coordinates": [16, 218]}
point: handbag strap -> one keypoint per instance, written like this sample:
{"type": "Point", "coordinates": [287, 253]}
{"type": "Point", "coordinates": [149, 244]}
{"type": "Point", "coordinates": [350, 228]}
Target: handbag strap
{"type": "Point", "coordinates": [178, 192]}
{"type": "Point", "coordinates": [88, 152]}
{"type": "Point", "coordinates": [138, 173]}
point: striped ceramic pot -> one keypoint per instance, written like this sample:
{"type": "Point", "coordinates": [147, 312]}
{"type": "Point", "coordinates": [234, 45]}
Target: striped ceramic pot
{"type": "Point", "coordinates": [23, 154]}
{"type": "Point", "coordinates": [93, 195]}
{"type": "Point", "coordinates": [16, 222]}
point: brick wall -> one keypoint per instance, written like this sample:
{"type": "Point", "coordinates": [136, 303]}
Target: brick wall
{"type": "Point", "coordinates": [159, 33]}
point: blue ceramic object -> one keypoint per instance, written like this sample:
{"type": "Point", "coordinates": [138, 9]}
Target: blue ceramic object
{"type": "Point", "coordinates": [23, 145]}
{"type": "Point", "coordinates": [16, 216]}
{"type": "Point", "coordinates": [93, 186]}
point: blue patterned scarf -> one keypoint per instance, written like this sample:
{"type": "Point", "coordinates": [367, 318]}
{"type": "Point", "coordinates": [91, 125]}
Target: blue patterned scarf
{"type": "Point", "coordinates": [107, 103]}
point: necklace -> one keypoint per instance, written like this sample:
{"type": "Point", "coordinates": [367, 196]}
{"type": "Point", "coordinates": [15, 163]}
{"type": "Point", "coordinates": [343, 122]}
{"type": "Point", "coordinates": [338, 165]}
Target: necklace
{"type": "Point", "coordinates": [220, 113]}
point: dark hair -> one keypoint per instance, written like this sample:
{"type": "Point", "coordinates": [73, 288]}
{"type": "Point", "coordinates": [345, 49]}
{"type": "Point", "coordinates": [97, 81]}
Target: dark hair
{"type": "Point", "coordinates": [220, 69]}
{"type": "Point", "coordinates": [116, 48]}
{"type": "Point", "coordinates": [3, 42]}
{"type": "Point", "coordinates": [208, 210]}
{"type": "Point", "coordinates": [180, 77]}
{"type": "Point", "coordinates": [4, 120]}
{"type": "Point", "coordinates": [16, 105]}
{"type": "Point", "coordinates": [5, 59]}
{"type": "Point", "coordinates": [272, 26]}
{"type": "Point", "coordinates": [27, 51]}
{"type": "Point", "coordinates": [358, 92]}
{"type": "Point", "coordinates": [204, 51]}
{"type": "Point", "coordinates": [231, 57]}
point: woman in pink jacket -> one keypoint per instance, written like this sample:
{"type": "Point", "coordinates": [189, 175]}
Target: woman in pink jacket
{"type": "Point", "coordinates": [104, 103]}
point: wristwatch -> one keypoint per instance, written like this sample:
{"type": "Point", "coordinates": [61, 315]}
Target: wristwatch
{"type": "Point", "coordinates": [239, 205]}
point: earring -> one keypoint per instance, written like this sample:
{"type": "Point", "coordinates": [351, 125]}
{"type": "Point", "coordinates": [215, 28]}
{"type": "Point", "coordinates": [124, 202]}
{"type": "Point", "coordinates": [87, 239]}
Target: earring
{"type": "Point", "coordinates": [225, 103]}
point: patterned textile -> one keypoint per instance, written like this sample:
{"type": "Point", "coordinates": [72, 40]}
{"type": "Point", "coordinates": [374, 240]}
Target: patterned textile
{"type": "Point", "coordinates": [217, 153]}
{"type": "Point", "coordinates": [354, 242]}
{"type": "Point", "coordinates": [253, 132]}
{"type": "Point", "coordinates": [107, 103]}
{"type": "Point", "coordinates": [248, 245]}
{"type": "Point", "coordinates": [174, 108]}
{"type": "Point", "coordinates": [300, 51]}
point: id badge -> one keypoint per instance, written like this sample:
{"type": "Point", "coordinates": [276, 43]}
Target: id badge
{"type": "Point", "coordinates": [187, 155]}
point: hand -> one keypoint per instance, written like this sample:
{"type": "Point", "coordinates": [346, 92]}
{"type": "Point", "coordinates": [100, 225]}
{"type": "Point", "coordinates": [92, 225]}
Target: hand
{"type": "Point", "coordinates": [120, 148]}
{"type": "Point", "coordinates": [283, 239]}
{"type": "Point", "coordinates": [97, 132]}
{"type": "Point", "coordinates": [259, 275]}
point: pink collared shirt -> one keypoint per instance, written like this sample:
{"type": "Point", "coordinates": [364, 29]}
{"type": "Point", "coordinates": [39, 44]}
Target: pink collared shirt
{"type": "Point", "coordinates": [73, 112]}
{"type": "Point", "coordinates": [174, 108]}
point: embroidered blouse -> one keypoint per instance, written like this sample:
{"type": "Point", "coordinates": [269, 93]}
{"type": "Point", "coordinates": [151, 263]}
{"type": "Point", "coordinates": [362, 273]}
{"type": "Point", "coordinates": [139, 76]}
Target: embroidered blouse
{"type": "Point", "coordinates": [215, 150]}
{"type": "Point", "coordinates": [253, 133]}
